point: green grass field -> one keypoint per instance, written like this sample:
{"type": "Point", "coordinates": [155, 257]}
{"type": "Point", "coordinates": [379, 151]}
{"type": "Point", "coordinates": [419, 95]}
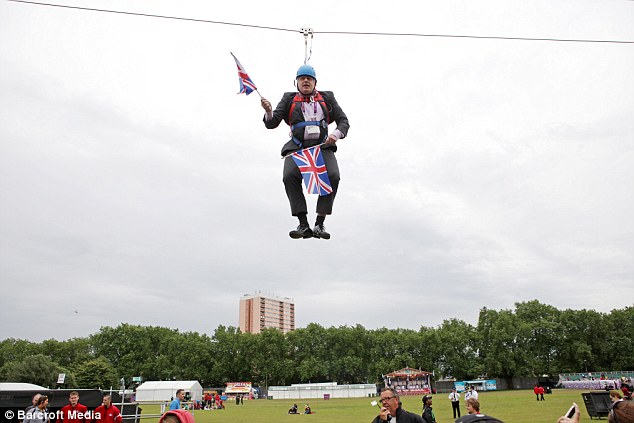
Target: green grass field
{"type": "Point", "coordinates": [509, 406]}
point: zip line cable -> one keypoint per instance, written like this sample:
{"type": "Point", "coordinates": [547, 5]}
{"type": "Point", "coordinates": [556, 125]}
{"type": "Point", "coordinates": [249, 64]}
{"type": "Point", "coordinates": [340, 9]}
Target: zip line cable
{"type": "Point", "coordinates": [487, 37]}
{"type": "Point", "coordinates": [302, 31]}
{"type": "Point", "coordinates": [148, 15]}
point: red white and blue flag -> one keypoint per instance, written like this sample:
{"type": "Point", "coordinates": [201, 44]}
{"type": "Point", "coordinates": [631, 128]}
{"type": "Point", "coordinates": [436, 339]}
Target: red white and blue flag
{"type": "Point", "coordinates": [246, 85]}
{"type": "Point", "coordinates": [311, 164]}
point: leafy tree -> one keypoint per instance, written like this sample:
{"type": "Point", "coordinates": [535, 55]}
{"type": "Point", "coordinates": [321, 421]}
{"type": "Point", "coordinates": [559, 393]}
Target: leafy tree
{"type": "Point", "coordinates": [347, 354]}
{"type": "Point", "coordinates": [232, 352]}
{"type": "Point", "coordinates": [458, 347]}
{"type": "Point", "coordinates": [138, 350]}
{"type": "Point", "coordinates": [584, 341]}
{"type": "Point", "coordinates": [95, 374]}
{"type": "Point", "coordinates": [503, 344]}
{"type": "Point", "coordinates": [271, 363]}
{"type": "Point", "coordinates": [619, 353]}
{"type": "Point", "coordinates": [544, 339]}
{"type": "Point", "coordinates": [12, 350]}
{"type": "Point", "coordinates": [70, 353]}
{"type": "Point", "coordinates": [37, 369]}
{"type": "Point", "coordinates": [309, 351]}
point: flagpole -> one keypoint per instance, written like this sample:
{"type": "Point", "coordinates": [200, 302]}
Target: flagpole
{"type": "Point", "coordinates": [291, 153]}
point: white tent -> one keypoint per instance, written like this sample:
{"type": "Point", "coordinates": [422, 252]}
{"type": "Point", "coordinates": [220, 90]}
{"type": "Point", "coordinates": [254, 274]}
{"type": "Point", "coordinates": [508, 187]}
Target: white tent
{"type": "Point", "coordinates": [320, 390]}
{"type": "Point", "coordinates": [21, 387]}
{"type": "Point", "coordinates": [164, 390]}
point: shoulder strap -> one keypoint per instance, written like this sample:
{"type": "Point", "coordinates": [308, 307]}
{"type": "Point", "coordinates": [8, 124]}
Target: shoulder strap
{"type": "Point", "coordinates": [297, 99]}
{"type": "Point", "coordinates": [320, 98]}
{"type": "Point", "coordinates": [300, 98]}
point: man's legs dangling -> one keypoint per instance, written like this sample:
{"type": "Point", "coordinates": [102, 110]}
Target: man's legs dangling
{"type": "Point", "coordinates": [292, 179]}
{"type": "Point", "coordinates": [324, 203]}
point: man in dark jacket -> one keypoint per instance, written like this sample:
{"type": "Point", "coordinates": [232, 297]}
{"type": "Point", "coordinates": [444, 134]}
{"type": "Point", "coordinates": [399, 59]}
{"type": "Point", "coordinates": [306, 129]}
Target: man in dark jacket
{"type": "Point", "coordinates": [308, 112]}
{"type": "Point", "coordinates": [428, 412]}
{"type": "Point", "coordinates": [391, 407]}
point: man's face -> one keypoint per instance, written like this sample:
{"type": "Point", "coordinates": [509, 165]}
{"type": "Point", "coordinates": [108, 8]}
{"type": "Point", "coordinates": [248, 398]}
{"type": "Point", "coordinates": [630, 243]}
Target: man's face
{"type": "Point", "coordinates": [107, 401]}
{"type": "Point", "coordinates": [181, 395]}
{"type": "Point", "coordinates": [389, 401]}
{"type": "Point", "coordinates": [35, 398]}
{"type": "Point", "coordinates": [73, 400]}
{"type": "Point", "coordinates": [470, 409]}
{"type": "Point", "coordinates": [306, 84]}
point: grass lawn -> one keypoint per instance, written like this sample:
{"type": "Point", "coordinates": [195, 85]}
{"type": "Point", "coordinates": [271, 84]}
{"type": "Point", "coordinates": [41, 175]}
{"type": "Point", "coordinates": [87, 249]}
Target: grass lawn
{"type": "Point", "coordinates": [509, 406]}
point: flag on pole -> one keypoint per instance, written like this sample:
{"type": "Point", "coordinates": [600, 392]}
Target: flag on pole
{"type": "Point", "coordinates": [311, 164]}
{"type": "Point", "coordinates": [246, 85]}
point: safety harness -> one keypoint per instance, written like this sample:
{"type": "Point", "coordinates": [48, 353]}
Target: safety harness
{"type": "Point", "coordinates": [299, 98]}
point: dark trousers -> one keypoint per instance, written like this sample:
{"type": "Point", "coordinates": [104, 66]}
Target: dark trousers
{"type": "Point", "coordinates": [455, 406]}
{"type": "Point", "coordinates": [293, 184]}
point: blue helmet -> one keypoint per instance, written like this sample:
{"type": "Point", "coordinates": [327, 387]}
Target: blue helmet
{"type": "Point", "coordinates": [306, 70]}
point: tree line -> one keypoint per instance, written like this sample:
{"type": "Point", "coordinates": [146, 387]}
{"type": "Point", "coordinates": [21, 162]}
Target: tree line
{"type": "Point", "coordinates": [532, 340]}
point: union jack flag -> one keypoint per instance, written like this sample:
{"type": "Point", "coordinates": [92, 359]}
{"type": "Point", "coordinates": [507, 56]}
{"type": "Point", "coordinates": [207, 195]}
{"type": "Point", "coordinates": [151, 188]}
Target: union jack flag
{"type": "Point", "coordinates": [246, 85]}
{"type": "Point", "coordinates": [311, 164]}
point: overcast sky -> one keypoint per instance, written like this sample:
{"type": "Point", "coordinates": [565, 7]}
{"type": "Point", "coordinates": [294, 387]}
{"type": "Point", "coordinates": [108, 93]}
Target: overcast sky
{"type": "Point", "coordinates": [137, 187]}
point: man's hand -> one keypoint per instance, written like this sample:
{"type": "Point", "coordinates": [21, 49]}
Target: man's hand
{"type": "Point", "coordinates": [266, 105]}
{"type": "Point", "coordinates": [330, 140]}
{"type": "Point", "coordinates": [574, 419]}
{"type": "Point", "coordinates": [385, 414]}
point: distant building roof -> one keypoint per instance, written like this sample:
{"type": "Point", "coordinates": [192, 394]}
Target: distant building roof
{"type": "Point", "coordinates": [18, 386]}
{"type": "Point", "coordinates": [169, 384]}
{"type": "Point", "coordinates": [408, 371]}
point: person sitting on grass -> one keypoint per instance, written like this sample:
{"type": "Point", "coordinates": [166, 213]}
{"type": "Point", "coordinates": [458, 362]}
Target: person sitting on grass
{"type": "Point", "coordinates": [307, 409]}
{"type": "Point", "coordinates": [293, 409]}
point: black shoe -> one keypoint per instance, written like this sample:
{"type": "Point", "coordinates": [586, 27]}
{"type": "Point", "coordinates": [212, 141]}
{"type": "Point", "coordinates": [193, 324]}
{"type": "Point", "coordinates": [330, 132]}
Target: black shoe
{"type": "Point", "coordinates": [302, 231]}
{"type": "Point", "coordinates": [319, 231]}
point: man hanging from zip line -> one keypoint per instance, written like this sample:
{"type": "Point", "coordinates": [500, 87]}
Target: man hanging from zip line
{"type": "Point", "coordinates": [308, 112]}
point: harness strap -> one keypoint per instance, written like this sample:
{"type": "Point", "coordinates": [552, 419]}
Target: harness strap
{"type": "Point", "coordinates": [305, 123]}
{"type": "Point", "coordinates": [299, 98]}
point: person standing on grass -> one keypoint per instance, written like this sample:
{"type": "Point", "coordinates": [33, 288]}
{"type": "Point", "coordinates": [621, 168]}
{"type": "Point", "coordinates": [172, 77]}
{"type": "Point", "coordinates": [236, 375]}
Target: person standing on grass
{"type": "Point", "coordinates": [454, 396]}
{"type": "Point", "coordinates": [428, 412]}
{"type": "Point", "coordinates": [471, 393]}
{"type": "Point", "coordinates": [176, 404]}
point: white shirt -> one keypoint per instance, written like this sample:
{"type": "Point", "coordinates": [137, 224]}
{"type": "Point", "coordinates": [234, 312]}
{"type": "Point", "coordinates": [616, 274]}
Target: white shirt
{"type": "Point", "coordinates": [454, 396]}
{"type": "Point", "coordinates": [471, 394]}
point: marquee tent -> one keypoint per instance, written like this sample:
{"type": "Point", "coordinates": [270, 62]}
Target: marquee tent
{"type": "Point", "coordinates": [18, 386]}
{"type": "Point", "coordinates": [164, 390]}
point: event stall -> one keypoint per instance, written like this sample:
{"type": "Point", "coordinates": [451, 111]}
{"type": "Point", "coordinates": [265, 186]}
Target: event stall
{"type": "Point", "coordinates": [409, 381]}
